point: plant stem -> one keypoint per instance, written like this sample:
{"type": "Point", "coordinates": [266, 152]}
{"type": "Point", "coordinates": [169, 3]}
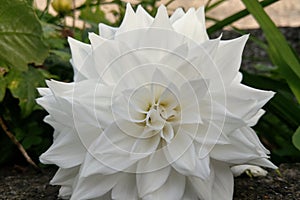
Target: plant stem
{"type": "Point", "coordinates": [73, 14]}
{"type": "Point", "coordinates": [17, 143]}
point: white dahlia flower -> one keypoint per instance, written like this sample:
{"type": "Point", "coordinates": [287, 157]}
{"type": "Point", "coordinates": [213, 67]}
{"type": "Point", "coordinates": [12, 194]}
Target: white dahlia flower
{"type": "Point", "coordinates": [156, 111]}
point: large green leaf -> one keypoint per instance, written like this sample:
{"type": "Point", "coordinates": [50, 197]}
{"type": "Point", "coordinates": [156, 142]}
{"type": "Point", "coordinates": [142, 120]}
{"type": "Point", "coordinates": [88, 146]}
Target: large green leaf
{"type": "Point", "coordinates": [20, 35]}
{"type": "Point", "coordinates": [279, 51]}
{"type": "Point", "coordinates": [23, 87]}
{"type": "Point", "coordinates": [296, 138]}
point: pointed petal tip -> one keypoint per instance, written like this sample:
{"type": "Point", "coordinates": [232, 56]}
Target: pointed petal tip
{"type": "Point", "coordinates": [70, 39]}
{"type": "Point", "coordinates": [162, 13]}
{"type": "Point", "coordinates": [128, 5]}
{"type": "Point", "coordinates": [129, 9]}
{"type": "Point", "coordinates": [140, 7]}
{"type": "Point", "coordinates": [43, 158]}
{"type": "Point", "coordinates": [201, 9]}
{"type": "Point", "coordinates": [162, 6]}
{"type": "Point", "coordinates": [92, 34]}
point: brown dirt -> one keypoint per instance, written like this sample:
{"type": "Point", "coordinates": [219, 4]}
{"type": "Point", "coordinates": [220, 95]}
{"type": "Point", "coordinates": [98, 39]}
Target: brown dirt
{"type": "Point", "coordinates": [17, 183]}
{"type": "Point", "coordinates": [273, 186]}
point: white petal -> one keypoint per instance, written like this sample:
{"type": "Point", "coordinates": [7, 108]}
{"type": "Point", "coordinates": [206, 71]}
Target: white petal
{"type": "Point", "coordinates": [130, 107]}
{"type": "Point", "coordinates": [92, 106]}
{"type": "Point", "coordinates": [167, 133]}
{"type": "Point", "coordinates": [159, 84]}
{"type": "Point", "coordinates": [106, 31]}
{"type": "Point", "coordinates": [151, 181]}
{"type": "Point", "coordinates": [244, 147]}
{"type": "Point", "coordinates": [93, 103]}
{"type": "Point", "coordinates": [129, 20]}
{"type": "Point", "coordinates": [79, 51]}
{"type": "Point", "coordinates": [66, 150]}
{"type": "Point", "coordinates": [92, 166]}
{"type": "Point", "coordinates": [197, 87]}
{"type": "Point", "coordinates": [210, 46]}
{"type": "Point", "coordinates": [252, 169]}
{"type": "Point", "coordinates": [178, 13]}
{"type": "Point", "coordinates": [223, 181]}
{"type": "Point", "coordinates": [191, 106]}
{"type": "Point", "coordinates": [56, 112]}
{"type": "Point", "coordinates": [65, 192]}
{"type": "Point", "coordinates": [169, 96]}
{"type": "Point", "coordinates": [200, 13]}
{"type": "Point", "coordinates": [145, 146]}
{"type": "Point", "coordinates": [125, 188]}
{"type": "Point", "coordinates": [155, 161]}
{"type": "Point", "coordinates": [112, 54]}
{"type": "Point", "coordinates": [203, 188]}
{"type": "Point", "coordinates": [206, 133]}
{"type": "Point", "coordinates": [94, 186]}
{"type": "Point", "coordinates": [113, 148]}
{"type": "Point", "coordinates": [44, 91]}
{"type": "Point", "coordinates": [104, 55]}
{"type": "Point", "coordinates": [173, 189]}
{"type": "Point", "coordinates": [251, 100]}
{"type": "Point", "coordinates": [144, 19]}
{"type": "Point", "coordinates": [82, 61]}
{"type": "Point", "coordinates": [161, 19]}
{"type": "Point", "coordinates": [152, 48]}
{"type": "Point", "coordinates": [65, 176]}
{"type": "Point", "coordinates": [60, 88]}
{"type": "Point", "coordinates": [219, 115]}
{"type": "Point", "coordinates": [264, 162]}
{"type": "Point", "coordinates": [253, 138]}
{"type": "Point", "coordinates": [202, 169]}
{"type": "Point", "coordinates": [139, 99]}
{"type": "Point", "coordinates": [229, 56]}
{"type": "Point", "coordinates": [189, 193]}
{"type": "Point", "coordinates": [181, 153]}
{"type": "Point", "coordinates": [254, 119]}
{"type": "Point", "coordinates": [190, 26]}
{"type": "Point", "coordinates": [175, 58]}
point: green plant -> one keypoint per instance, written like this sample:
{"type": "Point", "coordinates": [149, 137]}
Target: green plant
{"type": "Point", "coordinates": [22, 51]}
{"type": "Point", "coordinates": [282, 56]}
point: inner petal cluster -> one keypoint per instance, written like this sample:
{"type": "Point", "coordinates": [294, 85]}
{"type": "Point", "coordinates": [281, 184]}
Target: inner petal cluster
{"type": "Point", "coordinates": [158, 109]}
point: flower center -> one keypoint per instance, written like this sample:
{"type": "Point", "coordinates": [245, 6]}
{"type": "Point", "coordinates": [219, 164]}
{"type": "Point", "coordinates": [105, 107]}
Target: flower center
{"type": "Point", "coordinates": [155, 117]}
{"type": "Point", "coordinates": [159, 118]}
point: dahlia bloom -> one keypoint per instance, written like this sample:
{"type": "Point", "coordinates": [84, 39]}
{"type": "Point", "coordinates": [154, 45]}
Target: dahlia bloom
{"type": "Point", "coordinates": [156, 111]}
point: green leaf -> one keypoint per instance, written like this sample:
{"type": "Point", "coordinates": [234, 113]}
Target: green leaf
{"type": "Point", "coordinates": [23, 87]}
{"type": "Point", "coordinates": [229, 20]}
{"type": "Point", "coordinates": [31, 140]}
{"type": "Point", "coordinates": [296, 138]}
{"type": "Point", "coordinates": [215, 4]}
{"type": "Point", "coordinates": [53, 36]}
{"type": "Point", "coordinates": [2, 88]}
{"type": "Point", "coordinates": [279, 51]}
{"type": "Point", "coordinates": [20, 35]}
{"type": "Point", "coordinates": [93, 15]}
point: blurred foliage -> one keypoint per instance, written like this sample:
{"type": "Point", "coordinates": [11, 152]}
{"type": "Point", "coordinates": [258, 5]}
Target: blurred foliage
{"type": "Point", "coordinates": [20, 35]}
{"type": "Point", "coordinates": [34, 48]}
